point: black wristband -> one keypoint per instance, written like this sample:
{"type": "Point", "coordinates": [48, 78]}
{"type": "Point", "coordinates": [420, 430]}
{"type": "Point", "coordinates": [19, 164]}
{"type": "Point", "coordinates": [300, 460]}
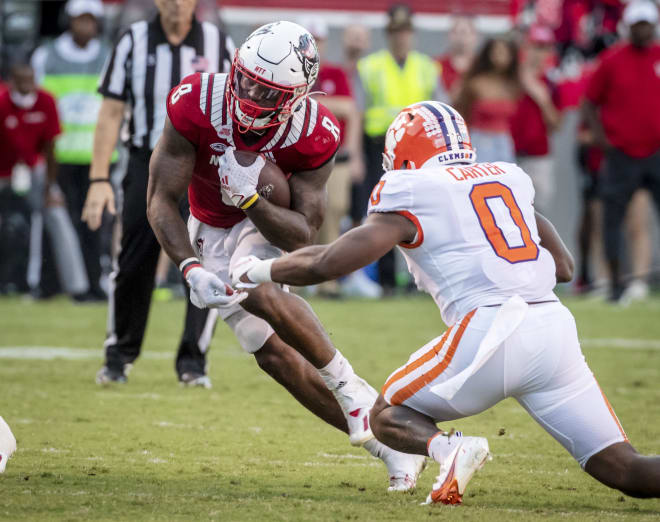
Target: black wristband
{"type": "Point", "coordinates": [99, 180]}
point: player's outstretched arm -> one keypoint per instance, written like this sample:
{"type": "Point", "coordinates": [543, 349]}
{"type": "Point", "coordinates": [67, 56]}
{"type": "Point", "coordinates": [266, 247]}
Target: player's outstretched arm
{"type": "Point", "coordinates": [295, 228]}
{"type": "Point", "coordinates": [355, 249]}
{"type": "Point", "coordinates": [170, 171]}
{"type": "Point", "coordinates": [551, 241]}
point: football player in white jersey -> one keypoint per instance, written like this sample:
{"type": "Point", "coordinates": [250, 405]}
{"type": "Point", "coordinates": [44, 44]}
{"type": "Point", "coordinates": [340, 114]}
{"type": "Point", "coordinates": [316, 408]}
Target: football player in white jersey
{"type": "Point", "coordinates": [473, 241]}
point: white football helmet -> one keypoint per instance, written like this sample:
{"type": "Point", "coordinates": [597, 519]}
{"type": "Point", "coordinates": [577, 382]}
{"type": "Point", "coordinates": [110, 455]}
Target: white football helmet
{"type": "Point", "coordinates": [271, 75]}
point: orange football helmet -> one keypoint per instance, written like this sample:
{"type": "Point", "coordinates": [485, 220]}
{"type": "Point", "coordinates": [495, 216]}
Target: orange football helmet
{"type": "Point", "coordinates": [427, 131]}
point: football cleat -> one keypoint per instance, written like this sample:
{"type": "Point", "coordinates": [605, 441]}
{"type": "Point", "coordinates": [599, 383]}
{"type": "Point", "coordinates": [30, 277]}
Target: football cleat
{"type": "Point", "coordinates": [356, 398]}
{"type": "Point", "coordinates": [403, 469]}
{"type": "Point", "coordinates": [458, 469]}
{"type": "Point", "coordinates": [106, 376]}
{"type": "Point", "coordinates": [407, 481]}
{"type": "Point", "coordinates": [193, 379]}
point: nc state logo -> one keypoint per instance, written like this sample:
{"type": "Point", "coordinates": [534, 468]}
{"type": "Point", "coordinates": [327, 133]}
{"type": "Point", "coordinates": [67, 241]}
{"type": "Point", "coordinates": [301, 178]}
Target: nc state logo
{"type": "Point", "coordinates": [266, 191]}
{"type": "Point", "coordinates": [218, 147]}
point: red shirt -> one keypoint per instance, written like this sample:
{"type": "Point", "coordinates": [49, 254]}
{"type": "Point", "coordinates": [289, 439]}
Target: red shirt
{"type": "Point", "coordinates": [23, 133]}
{"type": "Point", "coordinates": [626, 87]}
{"type": "Point", "coordinates": [449, 76]}
{"type": "Point", "coordinates": [333, 81]}
{"type": "Point", "coordinates": [306, 141]}
{"type": "Point", "coordinates": [528, 128]}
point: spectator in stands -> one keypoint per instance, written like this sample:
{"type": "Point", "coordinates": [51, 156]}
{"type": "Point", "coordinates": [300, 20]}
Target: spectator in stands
{"type": "Point", "coordinates": [537, 115]}
{"type": "Point", "coordinates": [488, 98]}
{"type": "Point", "coordinates": [591, 273]}
{"type": "Point", "coordinates": [349, 163]}
{"type": "Point", "coordinates": [391, 79]}
{"type": "Point", "coordinates": [356, 42]}
{"type": "Point", "coordinates": [69, 68]}
{"type": "Point", "coordinates": [28, 126]}
{"type": "Point", "coordinates": [622, 108]}
{"type": "Point", "coordinates": [463, 40]}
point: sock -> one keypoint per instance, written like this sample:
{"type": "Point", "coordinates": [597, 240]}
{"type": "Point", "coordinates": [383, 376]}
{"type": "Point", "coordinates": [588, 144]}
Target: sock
{"type": "Point", "coordinates": [337, 372]}
{"type": "Point", "coordinates": [442, 444]}
{"type": "Point", "coordinates": [376, 448]}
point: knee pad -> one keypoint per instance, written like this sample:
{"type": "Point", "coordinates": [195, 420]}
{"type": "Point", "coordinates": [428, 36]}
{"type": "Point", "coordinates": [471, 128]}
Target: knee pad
{"type": "Point", "coordinates": [251, 332]}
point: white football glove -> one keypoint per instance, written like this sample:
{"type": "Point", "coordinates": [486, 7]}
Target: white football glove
{"type": "Point", "coordinates": [255, 269]}
{"type": "Point", "coordinates": [239, 184]}
{"type": "Point", "coordinates": [207, 290]}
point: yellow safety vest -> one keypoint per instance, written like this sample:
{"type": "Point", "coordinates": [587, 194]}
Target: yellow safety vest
{"type": "Point", "coordinates": [390, 88]}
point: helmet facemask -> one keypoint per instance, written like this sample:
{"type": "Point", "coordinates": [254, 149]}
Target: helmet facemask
{"type": "Point", "coordinates": [256, 103]}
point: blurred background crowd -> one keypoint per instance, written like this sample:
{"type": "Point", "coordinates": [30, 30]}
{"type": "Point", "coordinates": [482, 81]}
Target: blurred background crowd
{"type": "Point", "coordinates": [565, 88]}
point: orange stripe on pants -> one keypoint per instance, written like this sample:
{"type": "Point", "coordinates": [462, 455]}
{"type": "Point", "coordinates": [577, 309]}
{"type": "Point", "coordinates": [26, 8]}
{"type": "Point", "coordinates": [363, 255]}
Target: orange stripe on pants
{"type": "Point", "coordinates": [411, 389]}
{"type": "Point", "coordinates": [409, 368]}
{"type": "Point", "coordinates": [616, 419]}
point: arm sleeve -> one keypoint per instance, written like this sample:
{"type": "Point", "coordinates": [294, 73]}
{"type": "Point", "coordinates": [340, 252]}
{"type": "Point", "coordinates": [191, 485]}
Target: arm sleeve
{"type": "Point", "coordinates": [184, 110]}
{"type": "Point", "coordinates": [115, 76]}
{"type": "Point", "coordinates": [391, 194]}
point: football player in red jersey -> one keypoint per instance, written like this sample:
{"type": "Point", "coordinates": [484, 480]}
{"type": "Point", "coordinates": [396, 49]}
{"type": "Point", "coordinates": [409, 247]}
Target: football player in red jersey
{"type": "Point", "coordinates": [261, 106]}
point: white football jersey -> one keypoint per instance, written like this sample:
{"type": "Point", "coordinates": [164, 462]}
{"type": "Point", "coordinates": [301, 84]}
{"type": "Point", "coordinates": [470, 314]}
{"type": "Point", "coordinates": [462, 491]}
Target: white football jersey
{"type": "Point", "coordinates": [477, 243]}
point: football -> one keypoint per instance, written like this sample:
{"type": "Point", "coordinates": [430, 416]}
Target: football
{"type": "Point", "coordinates": [273, 184]}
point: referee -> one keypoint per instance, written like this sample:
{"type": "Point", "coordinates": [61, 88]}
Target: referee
{"type": "Point", "coordinates": [149, 59]}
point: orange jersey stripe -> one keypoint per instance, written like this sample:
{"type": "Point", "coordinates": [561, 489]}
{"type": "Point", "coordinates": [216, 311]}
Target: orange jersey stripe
{"type": "Point", "coordinates": [408, 368]}
{"type": "Point", "coordinates": [616, 419]}
{"type": "Point", "coordinates": [411, 389]}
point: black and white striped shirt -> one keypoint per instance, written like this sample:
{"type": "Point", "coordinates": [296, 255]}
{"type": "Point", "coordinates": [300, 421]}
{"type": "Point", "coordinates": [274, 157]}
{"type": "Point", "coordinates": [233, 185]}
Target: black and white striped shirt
{"type": "Point", "coordinates": [144, 67]}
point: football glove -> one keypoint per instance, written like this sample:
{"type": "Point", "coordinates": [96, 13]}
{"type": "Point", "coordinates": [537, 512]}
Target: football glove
{"type": "Point", "coordinates": [254, 269]}
{"type": "Point", "coordinates": [207, 290]}
{"type": "Point", "coordinates": [239, 184]}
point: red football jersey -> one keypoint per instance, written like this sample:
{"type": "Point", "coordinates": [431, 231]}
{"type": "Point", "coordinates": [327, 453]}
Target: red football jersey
{"type": "Point", "coordinates": [198, 110]}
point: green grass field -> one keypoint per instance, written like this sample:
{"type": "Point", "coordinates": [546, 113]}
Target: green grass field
{"type": "Point", "coordinates": [246, 451]}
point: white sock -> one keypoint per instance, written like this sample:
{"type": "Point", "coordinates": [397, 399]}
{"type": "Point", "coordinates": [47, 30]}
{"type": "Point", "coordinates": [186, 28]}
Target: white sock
{"type": "Point", "coordinates": [374, 447]}
{"type": "Point", "coordinates": [337, 372]}
{"type": "Point", "coordinates": [442, 444]}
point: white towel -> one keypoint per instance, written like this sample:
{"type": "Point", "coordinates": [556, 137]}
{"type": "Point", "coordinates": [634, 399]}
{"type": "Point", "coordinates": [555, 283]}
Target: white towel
{"type": "Point", "coordinates": [507, 319]}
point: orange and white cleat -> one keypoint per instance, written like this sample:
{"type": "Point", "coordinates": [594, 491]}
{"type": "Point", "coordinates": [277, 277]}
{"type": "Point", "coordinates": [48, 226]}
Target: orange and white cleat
{"type": "Point", "coordinates": [458, 469]}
